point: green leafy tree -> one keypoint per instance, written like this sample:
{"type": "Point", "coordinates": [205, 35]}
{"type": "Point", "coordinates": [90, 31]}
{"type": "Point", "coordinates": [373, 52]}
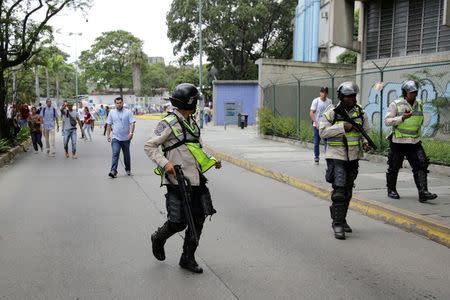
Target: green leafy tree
{"type": "Point", "coordinates": [57, 65]}
{"type": "Point", "coordinates": [235, 33]}
{"type": "Point", "coordinates": [154, 77]}
{"type": "Point", "coordinates": [107, 63]}
{"type": "Point", "coordinates": [24, 24]}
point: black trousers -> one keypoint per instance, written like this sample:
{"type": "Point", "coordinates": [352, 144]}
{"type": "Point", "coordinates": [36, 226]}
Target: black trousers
{"type": "Point", "coordinates": [414, 154]}
{"type": "Point", "coordinates": [36, 138]}
{"type": "Point", "coordinates": [342, 175]}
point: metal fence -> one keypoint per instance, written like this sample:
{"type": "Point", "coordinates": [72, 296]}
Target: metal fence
{"type": "Point", "coordinates": [290, 101]}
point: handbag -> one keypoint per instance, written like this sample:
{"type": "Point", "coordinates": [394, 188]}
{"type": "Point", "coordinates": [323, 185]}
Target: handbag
{"type": "Point", "coordinates": [73, 122]}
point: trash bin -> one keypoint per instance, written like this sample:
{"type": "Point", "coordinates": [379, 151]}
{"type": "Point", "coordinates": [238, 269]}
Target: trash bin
{"type": "Point", "coordinates": [242, 120]}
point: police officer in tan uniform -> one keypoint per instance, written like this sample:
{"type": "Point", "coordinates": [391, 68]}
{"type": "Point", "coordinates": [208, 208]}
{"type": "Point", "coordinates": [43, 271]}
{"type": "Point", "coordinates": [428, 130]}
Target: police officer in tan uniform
{"type": "Point", "coordinates": [179, 137]}
{"type": "Point", "coordinates": [345, 148]}
{"type": "Point", "coordinates": [405, 115]}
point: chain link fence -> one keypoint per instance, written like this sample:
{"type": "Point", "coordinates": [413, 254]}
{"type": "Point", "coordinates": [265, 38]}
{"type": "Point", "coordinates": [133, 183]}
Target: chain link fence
{"type": "Point", "coordinates": [286, 106]}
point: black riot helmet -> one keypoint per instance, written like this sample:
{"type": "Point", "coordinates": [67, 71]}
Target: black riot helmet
{"type": "Point", "coordinates": [409, 86]}
{"type": "Point", "coordinates": [185, 96]}
{"type": "Point", "coordinates": [347, 88]}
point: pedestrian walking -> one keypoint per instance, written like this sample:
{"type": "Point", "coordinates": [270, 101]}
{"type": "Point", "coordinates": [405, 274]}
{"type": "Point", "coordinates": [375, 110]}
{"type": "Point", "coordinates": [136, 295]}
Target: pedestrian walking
{"type": "Point", "coordinates": [93, 116]}
{"type": "Point", "coordinates": [24, 115]}
{"type": "Point", "coordinates": [35, 124]}
{"type": "Point", "coordinates": [318, 106]}
{"type": "Point", "coordinates": [106, 115]}
{"type": "Point", "coordinates": [122, 122]}
{"type": "Point", "coordinates": [49, 116]}
{"type": "Point", "coordinates": [179, 137]}
{"type": "Point", "coordinates": [15, 120]}
{"type": "Point", "coordinates": [71, 120]}
{"type": "Point", "coordinates": [81, 117]}
{"type": "Point", "coordinates": [101, 114]}
{"type": "Point", "coordinates": [345, 145]}
{"type": "Point", "coordinates": [207, 112]}
{"type": "Point", "coordinates": [405, 115]}
{"type": "Point", "coordinates": [87, 123]}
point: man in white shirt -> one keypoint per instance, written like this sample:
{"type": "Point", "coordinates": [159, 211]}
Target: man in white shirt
{"type": "Point", "coordinates": [318, 106]}
{"type": "Point", "coordinates": [80, 114]}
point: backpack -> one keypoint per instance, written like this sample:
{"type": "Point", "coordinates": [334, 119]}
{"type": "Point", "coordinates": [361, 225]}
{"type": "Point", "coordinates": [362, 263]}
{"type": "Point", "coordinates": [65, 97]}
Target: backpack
{"type": "Point", "coordinates": [54, 112]}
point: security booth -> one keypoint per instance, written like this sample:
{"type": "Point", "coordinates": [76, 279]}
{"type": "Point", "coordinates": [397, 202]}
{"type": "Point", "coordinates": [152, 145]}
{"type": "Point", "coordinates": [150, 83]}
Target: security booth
{"type": "Point", "coordinates": [235, 102]}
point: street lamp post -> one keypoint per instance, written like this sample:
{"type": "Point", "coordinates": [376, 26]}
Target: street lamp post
{"type": "Point", "coordinates": [202, 102]}
{"type": "Point", "coordinates": [76, 65]}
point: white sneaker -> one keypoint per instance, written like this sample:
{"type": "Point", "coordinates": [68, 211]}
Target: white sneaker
{"type": "Point", "coordinates": [36, 152]}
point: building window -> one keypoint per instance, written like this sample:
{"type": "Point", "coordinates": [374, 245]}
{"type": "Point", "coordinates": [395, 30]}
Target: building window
{"type": "Point", "coordinates": [405, 27]}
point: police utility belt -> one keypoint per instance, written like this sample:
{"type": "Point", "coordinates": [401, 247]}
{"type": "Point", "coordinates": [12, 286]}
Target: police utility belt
{"type": "Point", "coordinates": [190, 137]}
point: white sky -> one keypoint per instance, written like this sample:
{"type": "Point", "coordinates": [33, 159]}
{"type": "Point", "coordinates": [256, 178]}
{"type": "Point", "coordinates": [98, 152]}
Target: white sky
{"type": "Point", "coordinates": [146, 19]}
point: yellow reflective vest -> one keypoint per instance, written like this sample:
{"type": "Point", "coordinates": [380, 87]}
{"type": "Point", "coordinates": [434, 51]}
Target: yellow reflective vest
{"type": "Point", "coordinates": [353, 137]}
{"type": "Point", "coordinates": [190, 138]}
{"type": "Point", "coordinates": [409, 127]}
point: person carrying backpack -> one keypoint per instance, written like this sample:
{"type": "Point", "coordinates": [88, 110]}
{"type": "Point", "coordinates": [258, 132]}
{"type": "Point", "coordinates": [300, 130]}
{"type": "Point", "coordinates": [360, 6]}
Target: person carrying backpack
{"type": "Point", "coordinates": [49, 116]}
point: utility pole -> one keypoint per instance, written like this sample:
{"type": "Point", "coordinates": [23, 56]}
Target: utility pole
{"type": "Point", "coordinates": [76, 65]}
{"type": "Point", "coordinates": [202, 102]}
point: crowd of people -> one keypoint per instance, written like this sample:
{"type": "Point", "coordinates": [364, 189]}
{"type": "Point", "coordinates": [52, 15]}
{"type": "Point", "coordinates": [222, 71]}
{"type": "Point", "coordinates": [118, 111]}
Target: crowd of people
{"type": "Point", "coordinates": [43, 121]}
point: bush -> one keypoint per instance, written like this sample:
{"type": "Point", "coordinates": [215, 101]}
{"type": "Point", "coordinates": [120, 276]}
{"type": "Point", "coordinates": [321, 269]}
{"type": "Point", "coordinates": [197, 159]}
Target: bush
{"type": "Point", "coordinates": [22, 136]}
{"type": "Point", "coordinates": [277, 125]}
{"type": "Point", "coordinates": [4, 146]}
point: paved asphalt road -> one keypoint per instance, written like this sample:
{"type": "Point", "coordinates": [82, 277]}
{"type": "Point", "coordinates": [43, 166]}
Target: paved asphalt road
{"type": "Point", "coordinates": [67, 231]}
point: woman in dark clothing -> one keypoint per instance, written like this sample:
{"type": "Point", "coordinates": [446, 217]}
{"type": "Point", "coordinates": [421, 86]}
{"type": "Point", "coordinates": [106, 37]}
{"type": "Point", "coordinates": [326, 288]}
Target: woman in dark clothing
{"type": "Point", "coordinates": [34, 122]}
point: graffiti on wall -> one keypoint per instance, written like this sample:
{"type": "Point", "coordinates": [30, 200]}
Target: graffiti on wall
{"type": "Point", "coordinates": [392, 91]}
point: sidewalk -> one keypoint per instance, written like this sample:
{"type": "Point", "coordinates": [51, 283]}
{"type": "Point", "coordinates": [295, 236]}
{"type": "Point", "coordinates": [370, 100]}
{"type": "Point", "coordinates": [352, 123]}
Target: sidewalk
{"type": "Point", "coordinates": [295, 166]}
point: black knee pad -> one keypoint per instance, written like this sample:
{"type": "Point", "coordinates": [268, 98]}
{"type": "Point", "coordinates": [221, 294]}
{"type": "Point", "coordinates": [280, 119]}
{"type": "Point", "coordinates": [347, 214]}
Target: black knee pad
{"type": "Point", "coordinates": [338, 195]}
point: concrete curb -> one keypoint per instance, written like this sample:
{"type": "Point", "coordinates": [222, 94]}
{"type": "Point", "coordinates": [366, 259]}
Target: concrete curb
{"type": "Point", "coordinates": [155, 117]}
{"type": "Point", "coordinates": [9, 156]}
{"type": "Point", "coordinates": [376, 158]}
{"type": "Point", "coordinates": [421, 225]}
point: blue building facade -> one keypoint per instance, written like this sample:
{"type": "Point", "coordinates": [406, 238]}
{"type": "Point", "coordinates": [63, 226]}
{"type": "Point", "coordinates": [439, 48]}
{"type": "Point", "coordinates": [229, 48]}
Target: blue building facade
{"type": "Point", "coordinates": [243, 92]}
{"type": "Point", "coordinates": [306, 35]}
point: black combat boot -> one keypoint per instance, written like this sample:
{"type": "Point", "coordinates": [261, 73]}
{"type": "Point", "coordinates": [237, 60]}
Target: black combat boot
{"type": "Point", "coordinates": [420, 178]}
{"type": "Point", "coordinates": [159, 239]}
{"type": "Point", "coordinates": [337, 211]}
{"type": "Point", "coordinates": [187, 260]}
{"type": "Point", "coordinates": [391, 183]}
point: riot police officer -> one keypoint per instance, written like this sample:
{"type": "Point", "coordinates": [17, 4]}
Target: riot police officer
{"type": "Point", "coordinates": [179, 137]}
{"type": "Point", "coordinates": [405, 115]}
{"type": "Point", "coordinates": [345, 145]}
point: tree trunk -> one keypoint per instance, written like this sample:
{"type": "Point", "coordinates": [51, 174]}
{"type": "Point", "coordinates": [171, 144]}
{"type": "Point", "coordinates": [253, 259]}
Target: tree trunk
{"type": "Point", "coordinates": [137, 79]}
{"type": "Point", "coordinates": [57, 90]}
{"type": "Point", "coordinates": [36, 85]}
{"type": "Point", "coordinates": [48, 83]}
{"type": "Point", "coordinates": [121, 91]}
{"type": "Point", "coordinates": [14, 88]}
{"type": "Point", "coordinates": [5, 131]}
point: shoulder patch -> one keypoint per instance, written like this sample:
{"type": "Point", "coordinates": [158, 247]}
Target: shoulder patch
{"type": "Point", "coordinates": [160, 128]}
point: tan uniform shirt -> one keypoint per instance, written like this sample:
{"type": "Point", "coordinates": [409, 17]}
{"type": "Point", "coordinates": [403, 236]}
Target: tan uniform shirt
{"type": "Point", "coordinates": [327, 130]}
{"type": "Point", "coordinates": [391, 119]}
{"type": "Point", "coordinates": [163, 135]}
